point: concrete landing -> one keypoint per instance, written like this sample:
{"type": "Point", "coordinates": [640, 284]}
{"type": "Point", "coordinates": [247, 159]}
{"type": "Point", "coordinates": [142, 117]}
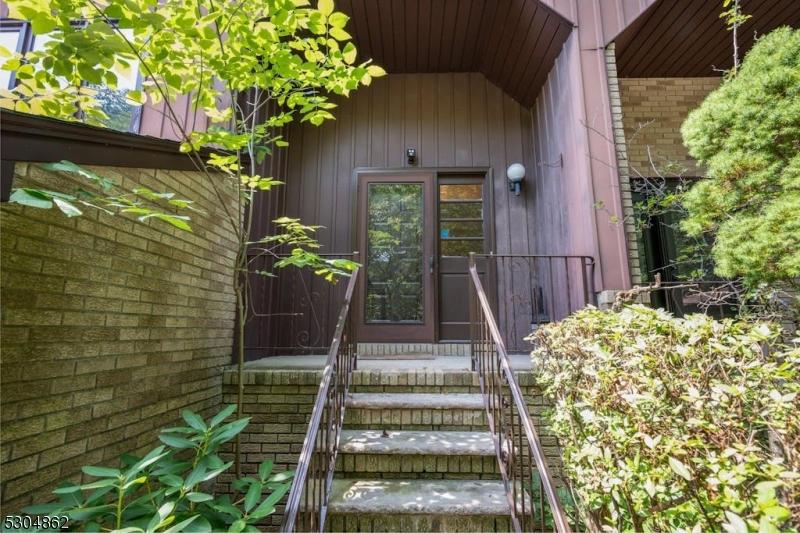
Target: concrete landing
{"type": "Point", "coordinates": [447, 443]}
{"type": "Point", "coordinates": [416, 496]}
{"type": "Point", "coordinates": [414, 401]}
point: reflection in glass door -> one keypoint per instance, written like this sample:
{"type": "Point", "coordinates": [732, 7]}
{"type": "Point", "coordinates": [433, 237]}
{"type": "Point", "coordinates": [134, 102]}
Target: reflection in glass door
{"type": "Point", "coordinates": [394, 272]}
{"type": "Point", "coordinates": [396, 233]}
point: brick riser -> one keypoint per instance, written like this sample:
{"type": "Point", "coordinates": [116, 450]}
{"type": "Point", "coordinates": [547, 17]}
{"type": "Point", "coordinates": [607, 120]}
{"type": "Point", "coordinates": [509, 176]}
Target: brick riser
{"type": "Point", "coordinates": [417, 523]}
{"type": "Point", "coordinates": [416, 419]}
{"type": "Point", "coordinates": [422, 466]}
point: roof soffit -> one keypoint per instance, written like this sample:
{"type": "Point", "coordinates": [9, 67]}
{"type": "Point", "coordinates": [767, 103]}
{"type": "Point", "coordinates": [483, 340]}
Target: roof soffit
{"type": "Point", "coordinates": [514, 43]}
{"type": "Point", "coordinates": [687, 38]}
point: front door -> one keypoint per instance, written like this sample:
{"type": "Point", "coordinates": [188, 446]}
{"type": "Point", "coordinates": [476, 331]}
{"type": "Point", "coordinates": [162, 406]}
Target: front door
{"type": "Point", "coordinates": [415, 231]}
{"type": "Point", "coordinates": [396, 221]}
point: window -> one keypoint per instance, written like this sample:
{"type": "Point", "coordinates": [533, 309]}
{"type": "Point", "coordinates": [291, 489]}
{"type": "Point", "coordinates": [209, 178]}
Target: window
{"type": "Point", "coordinates": [18, 36]}
{"type": "Point", "coordinates": [680, 260]}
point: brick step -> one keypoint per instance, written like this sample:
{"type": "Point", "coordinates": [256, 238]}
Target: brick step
{"type": "Point", "coordinates": [416, 412]}
{"type": "Point", "coordinates": [416, 455]}
{"type": "Point", "coordinates": [416, 380]}
{"type": "Point", "coordinates": [417, 505]}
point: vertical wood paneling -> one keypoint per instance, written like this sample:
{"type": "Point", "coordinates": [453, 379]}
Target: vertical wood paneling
{"type": "Point", "coordinates": [453, 120]}
{"type": "Point", "coordinates": [428, 149]}
{"type": "Point", "coordinates": [345, 190]}
{"type": "Point", "coordinates": [411, 113]}
{"type": "Point", "coordinates": [379, 112]}
{"type": "Point", "coordinates": [444, 121]}
{"type": "Point", "coordinates": [156, 120]}
{"type": "Point", "coordinates": [461, 121]}
{"type": "Point", "coordinates": [395, 145]}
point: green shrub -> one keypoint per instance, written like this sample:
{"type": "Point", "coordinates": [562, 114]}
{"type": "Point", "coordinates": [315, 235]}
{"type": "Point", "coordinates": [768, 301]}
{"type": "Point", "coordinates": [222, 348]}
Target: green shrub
{"type": "Point", "coordinates": [672, 424]}
{"type": "Point", "coordinates": [165, 491]}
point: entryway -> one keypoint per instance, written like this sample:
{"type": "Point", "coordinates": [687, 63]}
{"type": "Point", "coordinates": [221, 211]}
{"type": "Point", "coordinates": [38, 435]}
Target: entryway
{"type": "Point", "coordinates": [415, 231]}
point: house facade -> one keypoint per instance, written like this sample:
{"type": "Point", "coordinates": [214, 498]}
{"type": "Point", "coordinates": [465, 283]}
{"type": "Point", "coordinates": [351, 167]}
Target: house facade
{"type": "Point", "coordinates": [586, 96]}
{"type": "Point", "coordinates": [131, 325]}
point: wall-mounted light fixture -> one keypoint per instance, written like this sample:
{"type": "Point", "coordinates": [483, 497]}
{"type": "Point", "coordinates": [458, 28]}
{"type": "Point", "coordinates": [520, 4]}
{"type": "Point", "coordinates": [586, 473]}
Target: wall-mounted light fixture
{"type": "Point", "coordinates": [411, 154]}
{"type": "Point", "coordinates": [515, 173]}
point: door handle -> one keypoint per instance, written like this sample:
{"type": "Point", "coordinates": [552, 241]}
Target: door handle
{"type": "Point", "coordinates": [431, 263]}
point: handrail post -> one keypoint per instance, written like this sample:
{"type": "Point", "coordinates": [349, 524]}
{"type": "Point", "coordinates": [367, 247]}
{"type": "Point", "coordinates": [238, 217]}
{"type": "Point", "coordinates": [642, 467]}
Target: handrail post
{"type": "Point", "coordinates": [318, 456]}
{"type": "Point", "coordinates": [508, 416]}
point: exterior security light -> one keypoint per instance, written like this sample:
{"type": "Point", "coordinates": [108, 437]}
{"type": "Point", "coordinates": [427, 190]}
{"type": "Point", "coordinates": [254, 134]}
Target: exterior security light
{"type": "Point", "coordinates": [411, 154]}
{"type": "Point", "coordinates": [515, 173]}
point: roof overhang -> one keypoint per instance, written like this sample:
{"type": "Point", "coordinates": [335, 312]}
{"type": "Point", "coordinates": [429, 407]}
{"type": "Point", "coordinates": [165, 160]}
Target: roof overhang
{"type": "Point", "coordinates": [688, 39]}
{"type": "Point", "coordinates": [513, 43]}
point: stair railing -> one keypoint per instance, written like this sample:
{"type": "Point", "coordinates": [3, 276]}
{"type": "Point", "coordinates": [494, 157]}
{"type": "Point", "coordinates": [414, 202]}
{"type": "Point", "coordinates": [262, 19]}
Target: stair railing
{"type": "Point", "coordinates": [521, 459]}
{"type": "Point", "coordinates": [308, 498]}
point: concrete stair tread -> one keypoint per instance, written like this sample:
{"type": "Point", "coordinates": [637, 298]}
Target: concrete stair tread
{"type": "Point", "coordinates": [414, 496]}
{"type": "Point", "coordinates": [417, 442]}
{"type": "Point", "coordinates": [366, 400]}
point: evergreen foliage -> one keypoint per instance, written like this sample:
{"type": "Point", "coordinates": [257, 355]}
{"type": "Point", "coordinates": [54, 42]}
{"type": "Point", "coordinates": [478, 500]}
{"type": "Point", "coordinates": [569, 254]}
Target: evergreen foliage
{"type": "Point", "coordinates": [747, 133]}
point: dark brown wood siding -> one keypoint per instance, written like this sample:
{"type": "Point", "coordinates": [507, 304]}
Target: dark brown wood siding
{"type": "Point", "coordinates": [457, 120]}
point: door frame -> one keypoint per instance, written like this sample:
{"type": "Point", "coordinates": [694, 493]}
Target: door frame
{"type": "Point", "coordinates": [394, 332]}
{"type": "Point", "coordinates": [430, 177]}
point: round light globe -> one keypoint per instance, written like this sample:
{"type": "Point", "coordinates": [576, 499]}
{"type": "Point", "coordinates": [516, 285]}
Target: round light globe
{"type": "Point", "coordinates": [516, 172]}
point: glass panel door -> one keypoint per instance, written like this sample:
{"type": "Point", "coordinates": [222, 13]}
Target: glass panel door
{"type": "Point", "coordinates": [394, 253]}
{"type": "Point", "coordinates": [396, 229]}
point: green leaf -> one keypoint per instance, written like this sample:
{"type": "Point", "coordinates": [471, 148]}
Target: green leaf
{"type": "Point", "coordinates": [338, 20]}
{"type": "Point", "coordinates": [735, 523]}
{"type": "Point", "coordinates": [222, 415]}
{"type": "Point", "coordinates": [253, 496]}
{"type": "Point", "coordinates": [778, 512]}
{"type": "Point", "coordinates": [375, 71]}
{"type": "Point", "coordinates": [267, 507]}
{"type": "Point", "coordinates": [100, 471]}
{"type": "Point", "coordinates": [87, 513]}
{"type": "Point", "coordinates": [198, 475]}
{"type": "Point", "coordinates": [178, 222]}
{"type": "Point", "coordinates": [325, 6]}
{"type": "Point", "coordinates": [31, 198]}
{"type": "Point", "coordinates": [135, 98]}
{"type": "Point", "coordinates": [680, 469]}
{"type": "Point", "coordinates": [43, 23]}
{"type": "Point", "coordinates": [264, 469]}
{"type": "Point", "coordinates": [339, 34]}
{"type": "Point", "coordinates": [349, 53]}
{"type": "Point", "coordinates": [177, 442]}
{"type": "Point", "coordinates": [237, 526]}
{"type": "Point", "coordinates": [181, 526]}
{"type": "Point", "coordinates": [68, 166]}
{"type": "Point", "coordinates": [194, 420]}
{"type": "Point", "coordinates": [67, 208]}
{"type": "Point", "coordinates": [198, 497]}
{"type": "Point", "coordinates": [51, 509]}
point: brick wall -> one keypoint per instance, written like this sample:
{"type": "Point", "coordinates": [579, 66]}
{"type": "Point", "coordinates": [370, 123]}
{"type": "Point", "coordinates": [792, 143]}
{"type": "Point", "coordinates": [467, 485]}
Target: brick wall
{"type": "Point", "coordinates": [653, 110]}
{"type": "Point", "coordinates": [110, 328]}
{"type": "Point", "coordinates": [621, 150]}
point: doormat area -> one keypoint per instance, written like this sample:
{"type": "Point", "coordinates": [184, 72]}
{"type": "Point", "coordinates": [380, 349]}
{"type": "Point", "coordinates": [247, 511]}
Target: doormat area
{"type": "Point", "coordinates": [407, 356]}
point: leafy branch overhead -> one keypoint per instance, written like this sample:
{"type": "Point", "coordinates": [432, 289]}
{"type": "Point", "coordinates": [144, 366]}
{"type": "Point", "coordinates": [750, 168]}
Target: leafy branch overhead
{"type": "Point", "coordinates": [296, 54]}
{"type": "Point", "coordinates": [143, 203]}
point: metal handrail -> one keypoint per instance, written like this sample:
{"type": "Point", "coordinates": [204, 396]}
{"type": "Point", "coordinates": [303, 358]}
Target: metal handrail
{"type": "Point", "coordinates": [307, 503]}
{"type": "Point", "coordinates": [533, 290]}
{"type": "Point", "coordinates": [516, 441]}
